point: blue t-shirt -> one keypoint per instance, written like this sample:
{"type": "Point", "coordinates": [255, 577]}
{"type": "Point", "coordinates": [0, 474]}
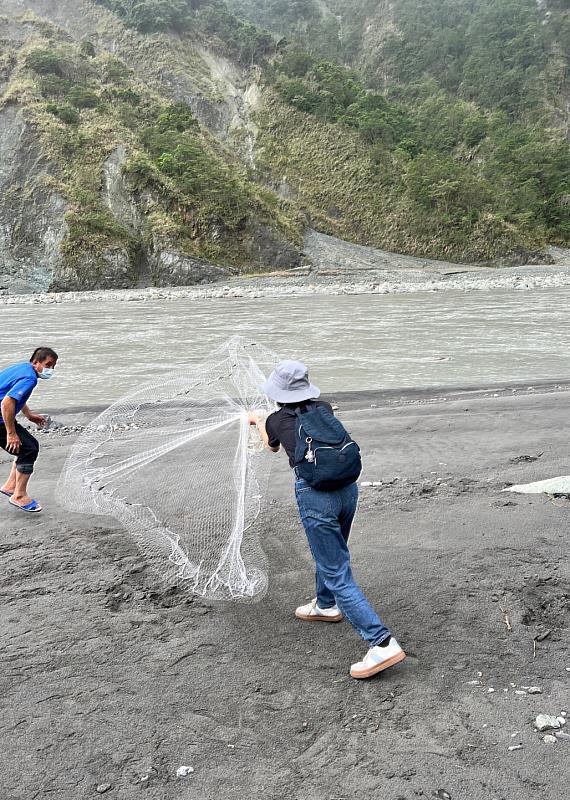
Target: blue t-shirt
{"type": "Point", "coordinates": [18, 382]}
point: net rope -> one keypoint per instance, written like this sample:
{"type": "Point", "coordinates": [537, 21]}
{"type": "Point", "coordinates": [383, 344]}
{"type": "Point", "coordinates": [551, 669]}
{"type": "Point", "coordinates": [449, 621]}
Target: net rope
{"type": "Point", "coordinates": [177, 463]}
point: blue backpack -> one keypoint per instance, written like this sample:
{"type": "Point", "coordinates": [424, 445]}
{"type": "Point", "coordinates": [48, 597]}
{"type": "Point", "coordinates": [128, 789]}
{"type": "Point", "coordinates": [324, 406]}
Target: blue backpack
{"type": "Point", "coordinates": [326, 456]}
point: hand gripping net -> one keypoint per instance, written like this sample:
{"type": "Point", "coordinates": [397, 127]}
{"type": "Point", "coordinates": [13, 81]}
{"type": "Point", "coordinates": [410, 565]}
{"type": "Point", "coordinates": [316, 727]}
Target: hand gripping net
{"type": "Point", "coordinates": [178, 464]}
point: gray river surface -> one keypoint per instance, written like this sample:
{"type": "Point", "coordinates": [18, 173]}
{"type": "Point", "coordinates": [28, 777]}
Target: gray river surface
{"type": "Point", "coordinates": [353, 342]}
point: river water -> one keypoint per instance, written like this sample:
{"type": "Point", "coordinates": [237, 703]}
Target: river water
{"type": "Point", "coordinates": [350, 342]}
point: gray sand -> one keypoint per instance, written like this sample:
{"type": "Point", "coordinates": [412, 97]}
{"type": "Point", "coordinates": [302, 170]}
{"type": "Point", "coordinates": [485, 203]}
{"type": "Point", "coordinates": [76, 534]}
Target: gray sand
{"type": "Point", "coordinates": [107, 679]}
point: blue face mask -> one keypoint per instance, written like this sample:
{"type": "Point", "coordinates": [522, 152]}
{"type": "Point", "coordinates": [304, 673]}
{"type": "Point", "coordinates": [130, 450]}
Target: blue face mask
{"type": "Point", "coordinates": [46, 373]}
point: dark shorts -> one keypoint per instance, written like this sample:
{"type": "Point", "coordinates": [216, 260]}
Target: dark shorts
{"type": "Point", "coordinates": [28, 451]}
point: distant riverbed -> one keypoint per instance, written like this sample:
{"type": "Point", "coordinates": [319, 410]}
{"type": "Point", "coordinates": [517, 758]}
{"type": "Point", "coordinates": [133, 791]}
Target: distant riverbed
{"type": "Point", "coordinates": [351, 342]}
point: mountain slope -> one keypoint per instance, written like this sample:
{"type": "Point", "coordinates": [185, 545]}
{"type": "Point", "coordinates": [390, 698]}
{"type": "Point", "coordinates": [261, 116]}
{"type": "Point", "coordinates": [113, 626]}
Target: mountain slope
{"type": "Point", "coordinates": [143, 192]}
{"type": "Point", "coordinates": [169, 141]}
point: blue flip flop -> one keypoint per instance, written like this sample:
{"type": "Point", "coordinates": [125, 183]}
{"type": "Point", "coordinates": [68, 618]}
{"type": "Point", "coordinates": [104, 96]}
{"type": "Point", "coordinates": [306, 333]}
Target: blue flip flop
{"type": "Point", "coordinates": [8, 494]}
{"type": "Point", "coordinates": [32, 508]}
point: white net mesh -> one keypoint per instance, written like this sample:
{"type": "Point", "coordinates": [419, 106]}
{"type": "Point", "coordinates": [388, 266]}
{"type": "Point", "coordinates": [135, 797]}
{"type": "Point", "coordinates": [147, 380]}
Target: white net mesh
{"type": "Point", "coordinates": [178, 464]}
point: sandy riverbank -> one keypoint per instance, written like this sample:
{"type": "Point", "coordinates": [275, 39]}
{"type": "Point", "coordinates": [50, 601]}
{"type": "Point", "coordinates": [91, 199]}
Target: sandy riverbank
{"type": "Point", "coordinates": [107, 680]}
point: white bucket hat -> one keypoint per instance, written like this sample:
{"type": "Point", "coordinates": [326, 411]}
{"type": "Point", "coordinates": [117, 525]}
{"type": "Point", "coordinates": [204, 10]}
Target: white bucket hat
{"type": "Point", "coordinates": [289, 383]}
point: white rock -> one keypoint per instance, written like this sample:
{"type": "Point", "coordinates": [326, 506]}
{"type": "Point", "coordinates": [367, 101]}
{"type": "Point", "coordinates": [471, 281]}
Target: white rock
{"type": "Point", "coordinates": [549, 739]}
{"type": "Point", "coordinates": [104, 787]}
{"type": "Point", "coordinates": [520, 691]}
{"type": "Point", "coordinates": [561, 720]}
{"type": "Point", "coordinates": [182, 772]}
{"type": "Point", "coordinates": [515, 747]}
{"type": "Point", "coordinates": [534, 690]}
{"type": "Point", "coordinates": [546, 722]}
{"type": "Point", "coordinates": [490, 690]}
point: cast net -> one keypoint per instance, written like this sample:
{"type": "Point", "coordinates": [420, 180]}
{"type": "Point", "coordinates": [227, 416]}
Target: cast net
{"type": "Point", "coordinates": [178, 464]}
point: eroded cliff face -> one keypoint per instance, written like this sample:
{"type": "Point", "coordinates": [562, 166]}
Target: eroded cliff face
{"type": "Point", "coordinates": [33, 227]}
{"type": "Point", "coordinates": [215, 89]}
{"type": "Point", "coordinates": [32, 215]}
{"type": "Point", "coordinates": [37, 246]}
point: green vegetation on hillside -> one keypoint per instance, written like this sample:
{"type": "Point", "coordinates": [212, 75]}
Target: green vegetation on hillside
{"type": "Point", "coordinates": [463, 127]}
{"type": "Point", "coordinates": [493, 52]}
{"type": "Point", "coordinates": [238, 39]}
{"type": "Point", "coordinates": [441, 141]}
{"type": "Point", "coordinates": [502, 54]}
{"type": "Point", "coordinates": [447, 163]}
{"type": "Point", "coordinates": [192, 194]}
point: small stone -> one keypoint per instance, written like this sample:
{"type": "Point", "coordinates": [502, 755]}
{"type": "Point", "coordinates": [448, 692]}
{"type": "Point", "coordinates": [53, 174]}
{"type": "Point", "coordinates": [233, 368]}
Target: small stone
{"type": "Point", "coordinates": [490, 690]}
{"type": "Point", "coordinates": [104, 787]}
{"type": "Point", "coordinates": [561, 720]}
{"type": "Point", "coordinates": [546, 722]}
{"type": "Point", "coordinates": [534, 690]}
{"type": "Point", "coordinates": [183, 772]}
{"type": "Point", "coordinates": [515, 747]}
{"type": "Point", "coordinates": [563, 713]}
{"type": "Point", "coordinates": [549, 739]}
{"type": "Point", "coordinates": [520, 691]}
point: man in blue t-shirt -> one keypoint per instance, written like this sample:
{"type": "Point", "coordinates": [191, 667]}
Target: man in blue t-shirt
{"type": "Point", "coordinates": [16, 385]}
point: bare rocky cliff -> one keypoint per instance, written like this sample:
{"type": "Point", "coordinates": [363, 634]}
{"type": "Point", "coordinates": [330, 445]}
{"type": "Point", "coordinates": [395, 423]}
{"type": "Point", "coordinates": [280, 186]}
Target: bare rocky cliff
{"type": "Point", "coordinates": [32, 224]}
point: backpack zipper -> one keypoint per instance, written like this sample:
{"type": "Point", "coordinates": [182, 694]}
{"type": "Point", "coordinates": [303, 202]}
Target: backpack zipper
{"type": "Point", "coordinates": [328, 447]}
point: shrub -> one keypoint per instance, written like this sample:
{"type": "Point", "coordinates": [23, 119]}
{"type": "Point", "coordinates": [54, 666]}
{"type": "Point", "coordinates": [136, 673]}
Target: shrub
{"type": "Point", "coordinates": [80, 97]}
{"type": "Point", "coordinates": [87, 49]}
{"type": "Point", "coordinates": [116, 72]}
{"type": "Point", "coordinates": [46, 62]}
{"type": "Point", "coordinates": [123, 96]}
{"type": "Point", "coordinates": [65, 113]}
{"type": "Point", "coordinates": [177, 117]}
{"type": "Point", "coordinates": [53, 86]}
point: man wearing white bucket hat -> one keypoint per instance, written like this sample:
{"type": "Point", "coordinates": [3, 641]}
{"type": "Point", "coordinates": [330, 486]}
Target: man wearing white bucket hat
{"type": "Point", "coordinates": [327, 516]}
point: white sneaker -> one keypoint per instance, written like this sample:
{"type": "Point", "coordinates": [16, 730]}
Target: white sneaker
{"type": "Point", "coordinates": [378, 659]}
{"type": "Point", "coordinates": [312, 612]}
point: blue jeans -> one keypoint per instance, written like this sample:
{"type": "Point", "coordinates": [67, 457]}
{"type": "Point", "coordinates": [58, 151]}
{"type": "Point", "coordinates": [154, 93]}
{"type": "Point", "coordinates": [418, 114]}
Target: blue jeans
{"type": "Point", "coordinates": [327, 517]}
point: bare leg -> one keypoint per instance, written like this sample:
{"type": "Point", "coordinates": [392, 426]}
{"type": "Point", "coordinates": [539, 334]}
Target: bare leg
{"type": "Point", "coordinates": [10, 484]}
{"type": "Point", "coordinates": [20, 496]}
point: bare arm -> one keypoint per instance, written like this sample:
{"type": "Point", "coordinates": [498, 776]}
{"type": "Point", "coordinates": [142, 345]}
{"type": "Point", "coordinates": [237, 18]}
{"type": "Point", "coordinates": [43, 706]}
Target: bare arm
{"type": "Point", "coordinates": [8, 409]}
{"type": "Point", "coordinates": [37, 419]}
{"type": "Point", "coordinates": [259, 422]}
